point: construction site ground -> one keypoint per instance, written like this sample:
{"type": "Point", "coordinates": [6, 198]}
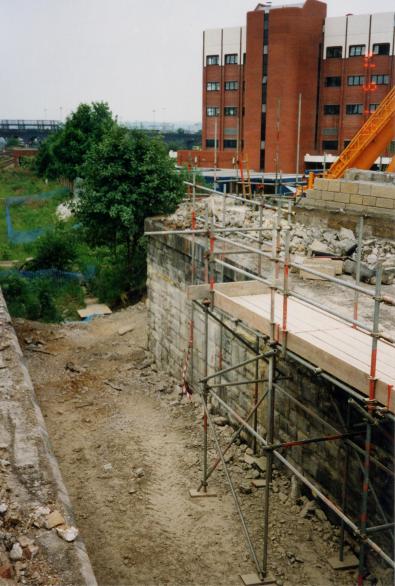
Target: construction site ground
{"type": "Point", "coordinates": [129, 451]}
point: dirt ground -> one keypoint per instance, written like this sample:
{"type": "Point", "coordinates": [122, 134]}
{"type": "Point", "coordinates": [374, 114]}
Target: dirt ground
{"type": "Point", "coordinates": [129, 451]}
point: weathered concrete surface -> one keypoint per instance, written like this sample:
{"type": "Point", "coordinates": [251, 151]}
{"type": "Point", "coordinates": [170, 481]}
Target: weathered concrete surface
{"type": "Point", "coordinates": [30, 478]}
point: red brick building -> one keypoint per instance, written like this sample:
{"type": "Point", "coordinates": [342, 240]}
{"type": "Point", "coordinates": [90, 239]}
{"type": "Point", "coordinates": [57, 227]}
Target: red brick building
{"type": "Point", "coordinates": [254, 78]}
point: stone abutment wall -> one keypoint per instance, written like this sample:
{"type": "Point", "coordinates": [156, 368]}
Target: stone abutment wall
{"type": "Point", "coordinates": [170, 313]}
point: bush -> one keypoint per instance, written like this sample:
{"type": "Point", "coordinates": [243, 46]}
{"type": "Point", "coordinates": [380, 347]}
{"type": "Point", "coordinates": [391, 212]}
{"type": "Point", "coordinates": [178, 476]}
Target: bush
{"type": "Point", "coordinates": [45, 299]}
{"type": "Point", "coordinates": [57, 249]}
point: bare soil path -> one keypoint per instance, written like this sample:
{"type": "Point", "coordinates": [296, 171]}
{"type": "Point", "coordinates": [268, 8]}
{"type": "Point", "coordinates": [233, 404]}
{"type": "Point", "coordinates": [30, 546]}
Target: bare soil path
{"type": "Point", "coordinates": [129, 452]}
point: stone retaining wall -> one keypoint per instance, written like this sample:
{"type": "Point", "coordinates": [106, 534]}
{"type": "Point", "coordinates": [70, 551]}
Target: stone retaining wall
{"type": "Point", "coordinates": [169, 310]}
{"type": "Point", "coordinates": [30, 476]}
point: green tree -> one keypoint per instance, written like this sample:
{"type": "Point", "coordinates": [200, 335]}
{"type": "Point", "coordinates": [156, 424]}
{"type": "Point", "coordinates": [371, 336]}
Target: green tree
{"type": "Point", "coordinates": [63, 153]}
{"type": "Point", "coordinates": [127, 177]}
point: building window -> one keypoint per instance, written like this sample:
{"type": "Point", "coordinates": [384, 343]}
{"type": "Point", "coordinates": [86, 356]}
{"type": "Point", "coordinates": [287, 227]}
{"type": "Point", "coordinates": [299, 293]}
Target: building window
{"type": "Point", "coordinates": [231, 86]}
{"type": "Point", "coordinates": [333, 81]}
{"type": "Point", "coordinates": [381, 79]}
{"type": "Point", "coordinates": [230, 143]}
{"type": "Point", "coordinates": [334, 52]}
{"type": "Point", "coordinates": [331, 109]}
{"type": "Point", "coordinates": [230, 111]}
{"type": "Point", "coordinates": [356, 50]}
{"type": "Point", "coordinates": [346, 143]}
{"type": "Point", "coordinates": [330, 145]}
{"type": "Point", "coordinates": [352, 109]}
{"type": "Point", "coordinates": [231, 59]}
{"type": "Point", "coordinates": [244, 58]}
{"type": "Point", "coordinates": [381, 49]}
{"type": "Point", "coordinates": [373, 107]}
{"type": "Point", "coordinates": [355, 80]}
{"type": "Point", "coordinates": [329, 131]}
{"type": "Point", "coordinates": [210, 143]}
{"type": "Point", "coordinates": [212, 60]}
{"type": "Point", "coordinates": [211, 111]}
{"type": "Point", "coordinates": [213, 86]}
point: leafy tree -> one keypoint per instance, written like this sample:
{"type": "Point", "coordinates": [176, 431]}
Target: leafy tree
{"type": "Point", "coordinates": [127, 177]}
{"type": "Point", "coordinates": [64, 152]}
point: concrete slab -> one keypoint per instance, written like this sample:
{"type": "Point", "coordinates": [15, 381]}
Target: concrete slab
{"type": "Point", "coordinates": [349, 562]}
{"type": "Point", "coordinates": [193, 493]}
{"type": "Point", "coordinates": [255, 580]}
{"type": "Point", "coordinates": [258, 483]}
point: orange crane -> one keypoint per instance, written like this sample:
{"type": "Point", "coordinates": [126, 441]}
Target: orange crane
{"type": "Point", "coordinates": [370, 140]}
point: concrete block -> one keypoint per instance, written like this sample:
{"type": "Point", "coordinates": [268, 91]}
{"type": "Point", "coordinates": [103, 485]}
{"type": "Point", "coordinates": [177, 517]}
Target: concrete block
{"type": "Point", "coordinates": [355, 207]}
{"type": "Point", "coordinates": [382, 202]}
{"type": "Point", "coordinates": [325, 268]}
{"type": "Point", "coordinates": [364, 188]}
{"type": "Point", "coordinates": [386, 191]}
{"type": "Point", "coordinates": [321, 183]}
{"type": "Point", "coordinates": [342, 197]}
{"type": "Point", "coordinates": [317, 194]}
{"type": "Point", "coordinates": [349, 186]}
{"type": "Point", "coordinates": [335, 205]}
{"type": "Point", "coordinates": [333, 184]}
{"type": "Point", "coordinates": [369, 200]}
{"type": "Point", "coordinates": [356, 199]}
{"type": "Point", "coordinates": [328, 195]}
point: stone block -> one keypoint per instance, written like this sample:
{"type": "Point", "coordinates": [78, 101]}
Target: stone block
{"type": "Point", "coordinates": [321, 183]}
{"type": "Point", "coordinates": [364, 188]}
{"type": "Point", "coordinates": [342, 197]}
{"type": "Point", "coordinates": [328, 195]}
{"type": "Point", "coordinates": [382, 202]}
{"type": "Point", "coordinates": [386, 191]}
{"type": "Point", "coordinates": [356, 199]}
{"type": "Point", "coordinates": [333, 184]}
{"type": "Point", "coordinates": [355, 207]}
{"type": "Point", "coordinates": [317, 194]}
{"type": "Point", "coordinates": [349, 187]}
{"type": "Point", "coordinates": [369, 201]}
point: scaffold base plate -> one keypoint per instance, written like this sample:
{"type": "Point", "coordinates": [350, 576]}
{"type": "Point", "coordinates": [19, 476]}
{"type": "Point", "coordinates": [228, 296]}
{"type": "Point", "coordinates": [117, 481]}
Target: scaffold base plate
{"type": "Point", "coordinates": [255, 580]}
{"type": "Point", "coordinates": [193, 493]}
{"type": "Point", "coordinates": [350, 561]}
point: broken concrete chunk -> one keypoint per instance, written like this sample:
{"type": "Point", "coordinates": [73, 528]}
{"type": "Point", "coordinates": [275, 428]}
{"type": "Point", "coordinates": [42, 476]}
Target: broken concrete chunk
{"type": "Point", "coordinates": [260, 463]}
{"type": "Point", "coordinates": [139, 472]}
{"type": "Point", "coordinates": [245, 488]}
{"type": "Point", "coordinates": [53, 520]}
{"type": "Point", "coordinates": [16, 552]}
{"type": "Point", "coordinates": [24, 541]}
{"type": "Point", "coordinates": [248, 459]}
{"type": "Point", "coordinates": [125, 330]}
{"type": "Point", "coordinates": [308, 509]}
{"type": "Point", "coordinates": [317, 246]}
{"type": "Point", "coordinates": [221, 421]}
{"type": "Point", "coordinates": [3, 508]}
{"type": "Point", "coordinates": [346, 233]}
{"type": "Point", "coordinates": [67, 533]}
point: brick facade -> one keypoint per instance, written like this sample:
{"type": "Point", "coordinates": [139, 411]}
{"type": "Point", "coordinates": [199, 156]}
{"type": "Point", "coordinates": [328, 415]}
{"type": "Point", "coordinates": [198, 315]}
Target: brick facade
{"type": "Point", "coordinates": [283, 53]}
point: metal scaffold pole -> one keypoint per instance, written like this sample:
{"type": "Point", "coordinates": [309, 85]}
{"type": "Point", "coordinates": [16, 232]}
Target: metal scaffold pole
{"type": "Point", "coordinates": [277, 352]}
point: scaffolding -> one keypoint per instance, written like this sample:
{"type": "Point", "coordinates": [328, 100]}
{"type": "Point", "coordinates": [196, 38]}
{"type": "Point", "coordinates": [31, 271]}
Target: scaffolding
{"type": "Point", "coordinates": [271, 348]}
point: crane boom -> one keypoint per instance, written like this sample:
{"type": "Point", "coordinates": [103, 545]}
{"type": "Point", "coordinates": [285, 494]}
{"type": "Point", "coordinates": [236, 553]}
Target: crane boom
{"type": "Point", "coordinates": [370, 140]}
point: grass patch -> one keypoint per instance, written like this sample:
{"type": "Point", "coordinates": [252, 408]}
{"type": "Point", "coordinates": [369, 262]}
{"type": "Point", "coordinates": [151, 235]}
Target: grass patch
{"type": "Point", "coordinates": [35, 214]}
{"type": "Point", "coordinates": [22, 182]}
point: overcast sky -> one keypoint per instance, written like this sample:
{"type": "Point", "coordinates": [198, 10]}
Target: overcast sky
{"type": "Point", "coordinates": [137, 55]}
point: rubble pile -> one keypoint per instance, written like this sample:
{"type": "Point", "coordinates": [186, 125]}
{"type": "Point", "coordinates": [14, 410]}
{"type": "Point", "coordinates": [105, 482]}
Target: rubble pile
{"type": "Point", "coordinates": [305, 240]}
